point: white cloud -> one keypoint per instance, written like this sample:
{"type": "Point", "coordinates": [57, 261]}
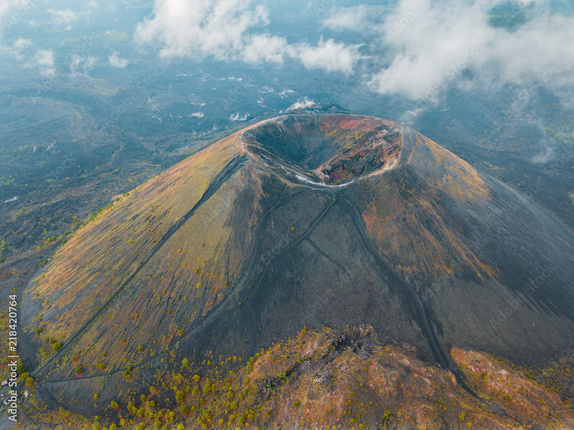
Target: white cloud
{"type": "Point", "coordinates": [541, 50]}
{"type": "Point", "coordinates": [429, 45]}
{"type": "Point", "coordinates": [262, 47]}
{"type": "Point", "coordinates": [183, 28]}
{"type": "Point", "coordinates": [63, 18]}
{"type": "Point", "coordinates": [351, 18]}
{"type": "Point", "coordinates": [117, 61]}
{"type": "Point", "coordinates": [237, 117]}
{"type": "Point", "coordinates": [44, 61]}
{"type": "Point", "coordinates": [75, 63]}
{"type": "Point", "coordinates": [306, 103]}
{"type": "Point", "coordinates": [233, 30]}
{"type": "Point", "coordinates": [329, 56]}
{"type": "Point", "coordinates": [82, 65]}
{"type": "Point", "coordinates": [21, 43]}
{"type": "Point", "coordinates": [18, 48]}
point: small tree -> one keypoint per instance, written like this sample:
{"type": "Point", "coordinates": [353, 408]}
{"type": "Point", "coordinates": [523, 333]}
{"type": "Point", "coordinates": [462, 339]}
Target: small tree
{"type": "Point", "coordinates": [114, 405]}
{"type": "Point", "coordinates": [79, 369]}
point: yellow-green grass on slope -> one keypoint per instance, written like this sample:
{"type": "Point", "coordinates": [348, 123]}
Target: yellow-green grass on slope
{"type": "Point", "coordinates": [143, 303]}
{"type": "Point", "coordinates": [337, 380]}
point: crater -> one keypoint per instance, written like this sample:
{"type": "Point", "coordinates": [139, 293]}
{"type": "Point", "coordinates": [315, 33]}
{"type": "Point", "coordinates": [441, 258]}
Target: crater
{"type": "Point", "coordinates": [326, 149]}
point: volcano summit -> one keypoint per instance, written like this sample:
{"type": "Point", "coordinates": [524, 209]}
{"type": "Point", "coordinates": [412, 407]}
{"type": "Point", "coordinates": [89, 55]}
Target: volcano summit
{"type": "Point", "coordinates": [322, 221]}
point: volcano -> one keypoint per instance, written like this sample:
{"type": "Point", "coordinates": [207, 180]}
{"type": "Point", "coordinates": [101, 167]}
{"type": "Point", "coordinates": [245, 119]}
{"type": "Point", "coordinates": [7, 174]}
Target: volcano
{"type": "Point", "coordinates": [306, 220]}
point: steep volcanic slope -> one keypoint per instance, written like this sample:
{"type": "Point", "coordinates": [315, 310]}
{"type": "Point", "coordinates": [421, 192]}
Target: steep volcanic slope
{"type": "Point", "coordinates": [312, 220]}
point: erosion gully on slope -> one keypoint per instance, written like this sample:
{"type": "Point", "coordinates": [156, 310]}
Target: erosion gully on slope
{"type": "Point", "coordinates": [228, 171]}
{"type": "Point", "coordinates": [426, 325]}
